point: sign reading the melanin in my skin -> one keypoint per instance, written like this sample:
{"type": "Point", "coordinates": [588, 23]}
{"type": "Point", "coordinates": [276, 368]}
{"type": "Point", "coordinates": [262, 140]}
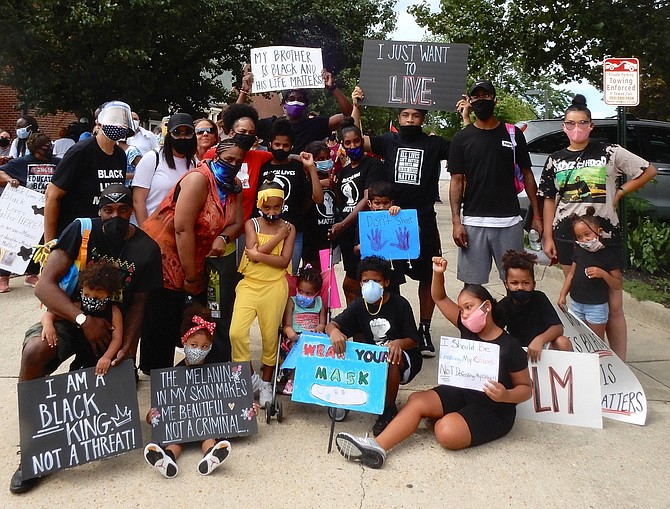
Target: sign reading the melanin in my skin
{"type": "Point", "coordinates": [419, 75]}
{"type": "Point", "coordinates": [21, 226]}
{"type": "Point", "coordinates": [391, 237]}
{"type": "Point", "coordinates": [286, 67]}
{"type": "Point", "coordinates": [466, 363]}
{"type": "Point", "coordinates": [78, 417]}
{"type": "Point", "coordinates": [200, 402]}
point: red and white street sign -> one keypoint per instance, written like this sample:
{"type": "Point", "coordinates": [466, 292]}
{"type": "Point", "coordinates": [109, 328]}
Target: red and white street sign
{"type": "Point", "coordinates": [621, 81]}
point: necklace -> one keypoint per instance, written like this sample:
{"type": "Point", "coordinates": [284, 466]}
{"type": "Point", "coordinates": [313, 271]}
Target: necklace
{"type": "Point", "coordinates": [381, 303]}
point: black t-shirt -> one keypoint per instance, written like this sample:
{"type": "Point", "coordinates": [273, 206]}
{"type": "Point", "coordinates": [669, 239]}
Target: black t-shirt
{"type": "Point", "coordinates": [594, 290]}
{"type": "Point", "coordinates": [139, 260]}
{"type": "Point", "coordinates": [319, 220]}
{"type": "Point", "coordinates": [304, 132]}
{"type": "Point", "coordinates": [395, 320]}
{"type": "Point", "coordinates": [31, 172]}
{"type": "Point", "coordinates": [527, 321]}
{"type": "Point", "coordinates": [297, 190]}
{"type": "Point", "coordinates": [485, 158]}
{"type": "Point", "coordinates": [354, 181]}
{"type": "Point", "coordinates": [83, 173]}
{"type": "Point", "coordinates": [412, 168]}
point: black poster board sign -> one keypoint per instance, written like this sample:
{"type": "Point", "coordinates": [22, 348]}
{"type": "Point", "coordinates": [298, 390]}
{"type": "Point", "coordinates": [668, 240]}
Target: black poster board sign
{"type": "Point", "coordinates": [199, 402]}
{"type": "Point", "coordinates": [420, 75]}
{"type": "Point", "coordinates": [75, 418]}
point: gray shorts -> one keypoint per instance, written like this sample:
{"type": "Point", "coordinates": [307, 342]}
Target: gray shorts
{"type": "Point", "coordinates": [486, 243]}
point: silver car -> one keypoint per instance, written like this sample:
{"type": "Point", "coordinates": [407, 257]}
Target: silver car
{"type": "Point", "coordinates": [647, 138]}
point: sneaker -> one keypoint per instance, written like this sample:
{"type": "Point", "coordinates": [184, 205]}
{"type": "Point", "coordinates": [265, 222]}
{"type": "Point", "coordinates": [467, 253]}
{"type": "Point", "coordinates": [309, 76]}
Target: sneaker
{"type": "Point", "coordinates": [363, 449]}
{"type": "Point", "coordinates": [425, 343]}
{"type": "Point", "coordinates": [288, 388]}
{"type": "Point", "coordinates": [256, 382]}
{"type": "Point", "coordinates": [160, 460]}
{"type": "Point", "coordinates": [4, 284]}
{"type": "Point", "coordinates": [214, 457]}
{"type": "Point", "coordinates": [265, 393]}
{"type": "Point", "coordinates": [18, 485]}
{"type": "Point", "coordinates": [31, 280]}
{"type": "Point", "coordinates": [383, 420]}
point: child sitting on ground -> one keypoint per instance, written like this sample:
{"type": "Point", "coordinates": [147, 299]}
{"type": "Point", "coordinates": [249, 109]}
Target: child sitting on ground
{"type": "Point", "coordinates": [304, 312]}
{"type": "Point", "coordinates": [530, 316]}
{"type": "Point", "coordinates": [99, 282]}
{"type": "Point", "coordinates": [197, 331]}
{"type": "Point", "coordinates": [594, 271]}
{"type": "Point", "coordinates": [381, 318]}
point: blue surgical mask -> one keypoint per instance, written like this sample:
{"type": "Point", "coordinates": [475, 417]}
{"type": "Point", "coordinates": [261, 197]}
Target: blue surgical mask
{"type": "Point", "coordinates": [324, 166]}
{"type": "Point", "coordinates": [23, 132]}
{"type": "Point", "coordinates": [304, 301]}
{"type": "Point", "coordinates": [372, 291]}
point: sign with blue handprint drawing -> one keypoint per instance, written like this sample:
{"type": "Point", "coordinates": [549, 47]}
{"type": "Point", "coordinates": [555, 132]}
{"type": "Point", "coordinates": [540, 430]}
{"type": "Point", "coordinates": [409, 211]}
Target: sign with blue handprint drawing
{"type": "Point", "coordinates": [391, 237]}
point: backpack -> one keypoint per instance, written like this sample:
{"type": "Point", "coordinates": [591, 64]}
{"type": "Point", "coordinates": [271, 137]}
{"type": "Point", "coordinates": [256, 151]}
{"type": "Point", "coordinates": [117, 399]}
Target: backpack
{"type": "Point", "coordinates": [519, 184]}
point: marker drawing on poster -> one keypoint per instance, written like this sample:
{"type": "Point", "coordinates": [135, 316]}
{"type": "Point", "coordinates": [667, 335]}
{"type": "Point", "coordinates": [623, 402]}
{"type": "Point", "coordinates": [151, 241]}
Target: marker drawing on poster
{"type": "Point", "coordinates": [466, 363]}
{"type": "Point", "coordinates": [286, 67]}
{"type": "Point", "coordinates": [391, 237]}
{"type": "Point", "coordinates": [21, 227]}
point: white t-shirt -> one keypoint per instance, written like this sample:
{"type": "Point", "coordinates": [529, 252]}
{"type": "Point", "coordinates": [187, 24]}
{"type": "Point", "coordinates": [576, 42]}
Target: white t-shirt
{"type": "Point", "coordinates": [159, 180]}
{"type": "Point", "coordinates": [144, 140]}
{"type": "Point", "coordinates": [61, 145]}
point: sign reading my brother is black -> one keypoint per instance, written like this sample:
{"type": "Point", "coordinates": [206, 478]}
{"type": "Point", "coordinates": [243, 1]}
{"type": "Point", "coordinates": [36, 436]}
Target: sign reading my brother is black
{"type": "Point", "coordinates": [200, 402]}
{"type": "Point", "coordinates": [71, 419]}
{"type": "Point", "coordinates": [420, 75]}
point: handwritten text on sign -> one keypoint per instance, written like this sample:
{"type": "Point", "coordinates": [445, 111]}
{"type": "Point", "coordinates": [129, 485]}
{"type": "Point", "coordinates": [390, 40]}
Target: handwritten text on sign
{"type": "Point", "coordinates": [21, 226]}
{"type": "Point", "coordinates": [200, 402]}
{"type": "Point", "coordinates": [78, 417]}
{"type": "Point", "coordinates": [466, 363]}
{"type": "Point", "coordinates": [286, 67]}
{"type": "Point", "coordinates": [565, 390]}
{"type": "Point", "coordinates": [421, 75]}
{"type": "Point", "coordinates": [354, 381]}
{"type": "Point", "coordinates": [391, 237]}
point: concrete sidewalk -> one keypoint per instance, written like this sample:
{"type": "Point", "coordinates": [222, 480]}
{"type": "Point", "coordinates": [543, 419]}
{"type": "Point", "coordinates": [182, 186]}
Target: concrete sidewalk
{"type": "Point", "coordinates": [286, 465]}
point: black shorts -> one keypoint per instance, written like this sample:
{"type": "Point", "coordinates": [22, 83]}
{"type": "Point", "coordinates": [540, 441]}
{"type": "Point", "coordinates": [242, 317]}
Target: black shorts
{"type": "Point", "coordinates": [412, 360]}
{"type": "Point", "coordinates": [348, 241]}
{"type": "Point", "coordinates": [421, 269]}
{"type": "Point", "coordinates": [487, 422]}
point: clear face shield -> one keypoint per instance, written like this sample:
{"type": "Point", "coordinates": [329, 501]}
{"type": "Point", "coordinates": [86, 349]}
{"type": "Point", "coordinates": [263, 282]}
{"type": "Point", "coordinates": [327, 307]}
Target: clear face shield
{"type": "Point", "coordinates": [117, 113]}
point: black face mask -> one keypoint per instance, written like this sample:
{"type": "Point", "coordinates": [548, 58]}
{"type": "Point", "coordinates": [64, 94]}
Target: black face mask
{"type": "Point", "coordinates": [4, 142]}
{"type": "Point", "coordinates": [483, 109]}
{"type": "Point", "coordinates": [410, 132]}
{"type": "Point", "coordinates": [519, 297]}
{"type": "Point", "coordinates": [115, 229]}
{"type": "Point", "coordinates": [246, 140]}
{"type": "Point", "coordinates": [184, 145]}
{"type": "Point", "coordinates": [48, 153]}
{"type": "Point", "coordinates": [279, 154]}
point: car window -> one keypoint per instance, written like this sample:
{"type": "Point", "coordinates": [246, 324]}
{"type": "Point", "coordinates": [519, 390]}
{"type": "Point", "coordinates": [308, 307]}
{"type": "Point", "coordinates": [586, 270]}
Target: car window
{"type": "Point", "coordinates": [608, 134]}
{"type": "Point", "coordinates": [548, 144]}
{"type": "Point", "coordinates": [658, 144]}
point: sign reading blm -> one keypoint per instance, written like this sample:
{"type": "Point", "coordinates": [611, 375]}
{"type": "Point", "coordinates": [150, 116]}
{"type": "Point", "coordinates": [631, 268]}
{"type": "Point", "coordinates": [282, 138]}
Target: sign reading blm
{"type": "Point", "coordinates": [420, 75]}
{"type": "Point", "coordinates": [71, 419]}
{"type": "Point", "coordinates": [200, 402]}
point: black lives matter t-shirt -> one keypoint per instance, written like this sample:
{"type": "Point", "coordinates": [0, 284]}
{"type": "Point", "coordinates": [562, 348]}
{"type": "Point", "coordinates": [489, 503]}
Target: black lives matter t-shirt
{"type": "Point", "coordinates": [486, 159]}
{"type": "Point", "coordinates": [304, 132]}
{"type": "Point", "coordinates": [354, 181]}
{"type": "Point", "coordinates": [297, 190]}
{"type": "Point", "coordinates": [83, 173]}
{"type": "Point", "coordinates": [412, 168]}
{"type": "Point", "coordinates": [527, 321]}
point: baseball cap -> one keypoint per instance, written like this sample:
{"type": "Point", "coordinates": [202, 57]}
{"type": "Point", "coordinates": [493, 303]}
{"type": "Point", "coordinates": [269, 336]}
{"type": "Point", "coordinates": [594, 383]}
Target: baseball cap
{"type": "Point", "coordinates": [116, 193]}
{"type": "Point", "coordinates": [178, 120]}
{"type": "Point", "coordinates": [485, 84]}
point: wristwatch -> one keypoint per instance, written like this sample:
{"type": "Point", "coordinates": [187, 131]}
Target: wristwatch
{"type": "Point", "coordinates": [80, 319]}
{"type": "Point", "coordinates": [225, 238]}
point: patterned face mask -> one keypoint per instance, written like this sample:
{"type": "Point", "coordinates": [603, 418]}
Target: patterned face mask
{"type": "Point", "coordinates": [113, 132]}
{"type": "Point", "coordinates": [195, 355]}
{"type": "Point", "coordinates": [91, 304]}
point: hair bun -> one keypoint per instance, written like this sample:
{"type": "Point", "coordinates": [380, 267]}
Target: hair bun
{"type": "Point", "coordinates": [579, 100]}
{"type": "Point", "coordinates": [590, 211]}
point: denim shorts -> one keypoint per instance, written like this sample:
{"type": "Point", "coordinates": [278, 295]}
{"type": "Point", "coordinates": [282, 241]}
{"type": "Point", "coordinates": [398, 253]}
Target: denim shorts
{"type": "Point", "coordinates": [596, 314]}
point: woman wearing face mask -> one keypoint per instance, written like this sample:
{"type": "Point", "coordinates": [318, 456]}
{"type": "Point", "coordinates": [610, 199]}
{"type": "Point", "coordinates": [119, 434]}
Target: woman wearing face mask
{"type": "Point", "coordinates": [598, 166]}
{"type": "Point", "coordinates": [158, 171]}
{"type": "Point", "coordinates": [198, 218]}
{"type": "Point", "coordinates": [463, 417]}
{"type": "Point", "coordinates": [25, 126]}
{"type": "Point", "coordinates": [5, 142]}
{"type": "Point", "coordinates": [207, 136]}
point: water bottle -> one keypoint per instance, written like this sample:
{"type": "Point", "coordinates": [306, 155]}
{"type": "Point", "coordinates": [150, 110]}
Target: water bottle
{"type": "Point", "coordinates": [534, 240]}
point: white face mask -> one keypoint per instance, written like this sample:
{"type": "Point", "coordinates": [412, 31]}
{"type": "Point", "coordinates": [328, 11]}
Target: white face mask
{"type": "Point", "coordinates": [136, 125]}
{"type": "Point", "coordinates": [592, 245]}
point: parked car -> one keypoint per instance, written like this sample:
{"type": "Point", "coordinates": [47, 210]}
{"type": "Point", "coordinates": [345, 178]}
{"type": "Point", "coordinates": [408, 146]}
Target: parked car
{"type": "Point", "coordinates": [647, 138]}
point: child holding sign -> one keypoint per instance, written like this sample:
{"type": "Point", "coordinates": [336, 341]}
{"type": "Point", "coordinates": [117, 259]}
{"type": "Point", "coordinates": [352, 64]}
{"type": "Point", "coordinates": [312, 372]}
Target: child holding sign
{"type": "Point", "coordinates": [381, 318]}
{"type": "Point", "coordinates": [263, 291]}
{"type": "Point", "coordinates": [197, 331]}
{"type": "Point", "coordinates": [99, 281]}
{"type": "Point", "coordinates": [463, 417]}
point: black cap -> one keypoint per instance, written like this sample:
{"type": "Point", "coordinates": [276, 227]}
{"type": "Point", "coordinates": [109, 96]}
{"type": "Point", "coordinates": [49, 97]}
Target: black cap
{"type": "Point", "coordinates": [116, 193]}
{"type": "Point", "coordinates": [485, 84]}
{"type": "Point", "coordinates": [178, 120]}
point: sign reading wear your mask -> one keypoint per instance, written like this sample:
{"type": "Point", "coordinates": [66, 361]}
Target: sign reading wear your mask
{"type": "Point", "coordinates": [286, 67]}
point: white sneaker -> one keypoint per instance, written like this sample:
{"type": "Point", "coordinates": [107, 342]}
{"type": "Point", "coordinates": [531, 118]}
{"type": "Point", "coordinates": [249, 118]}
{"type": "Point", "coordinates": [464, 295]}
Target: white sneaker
{"type": "Point", "coordinates": [363, 449]}
{"type": "Point", "coordinates": [214, 457]}
{"type": "Point", "coordinates": [265, 393]}
{"type": "Point", "coordinates": [256, 382]}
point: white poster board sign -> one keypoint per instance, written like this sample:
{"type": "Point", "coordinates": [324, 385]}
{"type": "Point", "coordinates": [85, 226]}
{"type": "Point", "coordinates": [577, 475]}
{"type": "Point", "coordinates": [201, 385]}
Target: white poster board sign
{"type": "Point", "coordinates": [21, 227]}
{"type": "Point", "coordinates": [622, 396]}
{"type": "Point", "coordinates": [286, 67]}
{"type": "Point", "coordinates": [466, 363]}
{"type": "Point", "coordinates": [566, 390]}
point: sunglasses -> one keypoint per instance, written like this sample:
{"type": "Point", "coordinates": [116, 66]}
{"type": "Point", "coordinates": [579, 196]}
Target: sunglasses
{"type": "Point", "coordinates": [203, 130]}
{"type": "Point", "coordinates": [188, 134]}
{"type": "Point", "coordinates": [570, 124]}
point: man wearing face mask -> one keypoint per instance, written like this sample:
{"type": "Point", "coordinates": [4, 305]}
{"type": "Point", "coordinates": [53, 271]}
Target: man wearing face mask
{"type": "Point", "coordinates": [142, 139]}
{"type": "Point", "coordinates": [114, 240]}
{"type": "Point", "coordinates": [88, 167]}
{"type": "Point", "coordinates": [481, 163]}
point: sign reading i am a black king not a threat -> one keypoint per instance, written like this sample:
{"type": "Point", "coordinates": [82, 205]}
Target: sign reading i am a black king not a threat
{"type": "Point", "coordinates": [199, 402]}
{"type": "Point", "coordinates": [420, 75]}
{"type": "Point", "coordinates": [75, 418]}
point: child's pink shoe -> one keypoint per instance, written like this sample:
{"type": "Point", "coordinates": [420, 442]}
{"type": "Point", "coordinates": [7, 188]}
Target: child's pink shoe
{"type": "Point", "coordinates": [288, 388]}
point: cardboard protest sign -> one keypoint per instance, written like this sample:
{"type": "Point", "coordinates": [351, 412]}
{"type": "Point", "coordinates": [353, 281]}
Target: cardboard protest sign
{"type": "Point", "coordinates": [391, 237]}
{"type": "Point", "coordinates": [286, 67]}
{"type": "Point", "coordinates": [200, 402]}
{"type": "Point", "coordinates": [467, 363]}
{"type": "Point", "coordinates": [21, 227]}
{"type": "Point", "coordinates": [420, 75]}
{"type": "Point", "coordinates": [78, 417]}
{"type": "Point", "coordinates": [622, 395]}
{"type": "Point", "coordinates": [353, 381]}
{"type": "Point", "coordinates": [565, 390]}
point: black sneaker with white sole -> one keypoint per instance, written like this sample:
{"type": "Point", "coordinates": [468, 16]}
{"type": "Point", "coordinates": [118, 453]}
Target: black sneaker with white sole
{"type": "Point", "coordinates": [383, 420]}
{"type": "Point", "coordinates": [363, 449]}
{"type": "Point", "coordinates": [425, 343]}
